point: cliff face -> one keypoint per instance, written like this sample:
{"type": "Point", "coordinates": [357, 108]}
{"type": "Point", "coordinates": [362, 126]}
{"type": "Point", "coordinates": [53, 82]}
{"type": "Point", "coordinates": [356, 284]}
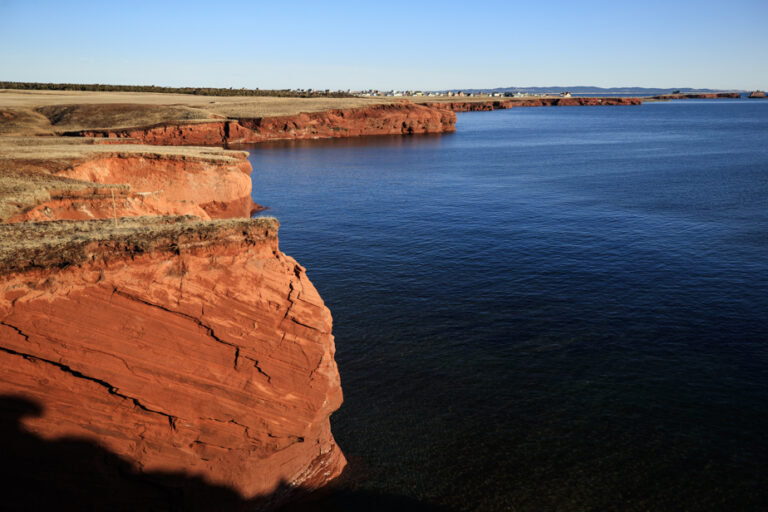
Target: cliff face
{"type": "Point", "coordinates": [198, 348]}
{"type": "Point", "coordinates": [91, 182]}
{"type": "Point", "coordinates": [185, 359]}
{"type": "Point", "coordinates": [475, 106]}
{"type": "Point", "coordinates": [87, 204]}
{"type": "Point", "coordinates": [387, 119]}
{"type": "Point", "coordinates": [175, 353]}
{"type": "Point", "coordinates": [177, 186]}
{"type": "Point", "coordinates": [395, 119]}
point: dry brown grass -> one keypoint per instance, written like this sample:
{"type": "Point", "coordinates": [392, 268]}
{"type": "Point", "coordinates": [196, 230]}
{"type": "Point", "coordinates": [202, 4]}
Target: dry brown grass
{"type": "Point", "coordinates": [58, 244]}
{"type": "Point", "coordinates": [80, 148]}
{"type": "Point", "coordinates": [76, 110]}
{"type": "Point", "coordinates": [473, 99]}
{"type": "Point", "coordinates": [28, 164]}
{"type": "Point", "coordinates": [21, 190]}
{"type": "Point", "coordinates": [20, 121]}
{"type": "Point", "coordinates": [115, 115]}
{"type": "Point", "coordinates": [443, 99]}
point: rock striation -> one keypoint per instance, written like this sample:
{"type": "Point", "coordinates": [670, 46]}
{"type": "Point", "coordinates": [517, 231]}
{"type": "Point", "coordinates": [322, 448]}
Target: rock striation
{"type": "Point", "coordinates": [198, 348]}
{"type": "Point", "coordinates": [403, 118]}
{"type": "Point", "coordinates": [81, 181]}
{"type": "Point", "coordinates": [179, 353]}
{"type": "Point", "coordinates": [173, 186]}
{"type": "Point", "coordinates": [187, 359]}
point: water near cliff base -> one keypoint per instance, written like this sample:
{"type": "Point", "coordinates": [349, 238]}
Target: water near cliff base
{"type": "Point", "coordinates": [552, 309]}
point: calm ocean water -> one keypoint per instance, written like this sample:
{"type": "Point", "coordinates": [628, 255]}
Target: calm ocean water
{"type": "Point", "coordinates": [552, 309]}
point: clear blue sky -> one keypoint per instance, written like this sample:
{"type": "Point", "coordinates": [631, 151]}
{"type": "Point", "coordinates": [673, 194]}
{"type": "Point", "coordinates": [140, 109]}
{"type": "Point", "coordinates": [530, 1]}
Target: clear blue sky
{"type": "Point", "coordinates": [387, 44]}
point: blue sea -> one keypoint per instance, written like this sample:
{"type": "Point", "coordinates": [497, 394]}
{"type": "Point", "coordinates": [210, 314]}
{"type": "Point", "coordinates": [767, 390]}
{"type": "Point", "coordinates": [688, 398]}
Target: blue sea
{"type": "Point", "coordinates": [551, 309]}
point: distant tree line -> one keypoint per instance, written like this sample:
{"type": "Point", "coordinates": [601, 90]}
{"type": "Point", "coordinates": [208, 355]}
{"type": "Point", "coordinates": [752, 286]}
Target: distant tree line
{"type": "Point", "coordinates": [203, 91]}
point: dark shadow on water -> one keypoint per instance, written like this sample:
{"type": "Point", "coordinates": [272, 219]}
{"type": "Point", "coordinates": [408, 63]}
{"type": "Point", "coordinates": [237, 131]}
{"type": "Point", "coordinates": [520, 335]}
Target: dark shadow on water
{"type": "Point", "coordinates": [75, 474]}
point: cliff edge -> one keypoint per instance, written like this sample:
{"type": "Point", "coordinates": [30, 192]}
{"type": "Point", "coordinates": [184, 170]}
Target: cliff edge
{"type": "Point", "coordinates": [388, 119]}
{"type": "Point", "coordinates": [55, 178]}
{"type": "Point", "coordinates": [152, 334]}
{"type": "Point", "coordinates": [198, 347]}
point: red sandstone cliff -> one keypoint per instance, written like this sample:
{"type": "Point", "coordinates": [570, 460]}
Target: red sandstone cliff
{"type": "Point", "coordinates": [207, 189]}
{"type": "Point", "coordinates": [166, 346]}
{"type": "Point", "coordinates": [474, 106]}
{"type": "Point", "coordinates": [198, 348]}
{"type": "Point", "coordinates": [386, 119]}
{"type": "Point", "coordinates": [153, 183]}
{"type": "Point", "coordinates": [698, 95]}
{"type": "Point", "coordinates": [186, 360]}
{"type": "Point", "coordinates": [175, 354]}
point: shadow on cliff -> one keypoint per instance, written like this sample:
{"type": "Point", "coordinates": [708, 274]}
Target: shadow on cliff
{"type": "Point", "coordinates": [74, 474]}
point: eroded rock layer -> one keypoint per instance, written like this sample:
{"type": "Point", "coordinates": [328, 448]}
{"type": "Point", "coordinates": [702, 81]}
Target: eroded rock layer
{"type": "Point", "coordinates": [386, 119]}
{"type": "Point", "coordinates": [199, 348]}
{"type": "Point", "coordinates": [177, 185]}
{"type": "Point", "coordinates": [476, 106]}
{"type": "Point", "coordinates": [86, 181]}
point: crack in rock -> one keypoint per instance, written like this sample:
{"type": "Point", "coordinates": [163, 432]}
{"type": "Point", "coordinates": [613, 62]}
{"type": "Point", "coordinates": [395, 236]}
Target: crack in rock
{"type": "Point", "coordinates": [208, 329]}
{"type": "Point", "coordinates": [258, 368]}
{"type": "Point", "coordinates": [112, 390]}
{"type": "Point", "coordinates": [19, 331]}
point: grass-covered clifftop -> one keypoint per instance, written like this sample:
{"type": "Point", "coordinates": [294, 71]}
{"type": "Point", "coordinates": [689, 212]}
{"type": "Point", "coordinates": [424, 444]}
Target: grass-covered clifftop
{"type": "Point", "coordinates": [202, 91]}
{"type": "Point", "coordinates": [47, 112]}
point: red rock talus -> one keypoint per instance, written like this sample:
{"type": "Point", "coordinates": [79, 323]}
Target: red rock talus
{"type": "Point", "coordinates": [386, 119]}
{"type": "Point", "coordinates": [475, 106]}
{"type": "Point", "coordinates": [198, 349]}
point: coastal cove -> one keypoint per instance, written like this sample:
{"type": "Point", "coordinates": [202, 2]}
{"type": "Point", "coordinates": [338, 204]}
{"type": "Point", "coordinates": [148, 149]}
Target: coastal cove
{"type": "Point", "coordinates": [550, 309]}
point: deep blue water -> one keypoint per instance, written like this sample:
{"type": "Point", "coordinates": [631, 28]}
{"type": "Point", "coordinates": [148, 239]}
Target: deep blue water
{"type": "Point", "coordinates": [551, 309]}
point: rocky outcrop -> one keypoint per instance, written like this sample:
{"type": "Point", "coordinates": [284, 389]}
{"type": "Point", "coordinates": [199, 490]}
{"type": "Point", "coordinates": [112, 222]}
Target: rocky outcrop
{"type": "Point", "coordinates": [393, 119]}
{"type": "Point", "coordinates": [92, 182]}
{"type": "Point", "coordinates": [386, 119]}
{"type": "Point", "coordinates": [87, 204]}
{"type": "Point", "coordinates": [176, 186]}
{"type": "Point", "coordinates": [181, 357]}
{"type": "Point", "coordinates": [593, 102]}
{"type": "Point", "coordinates": [699, 95]}
{"type": "Point", "coordinates": [757, 94]}
{"type": "Point", "coordinates": [198, 348]}
{"type": "Point", "coordinates": [187, 360]}
{"type": "Point", "coordinates": [475, 106]}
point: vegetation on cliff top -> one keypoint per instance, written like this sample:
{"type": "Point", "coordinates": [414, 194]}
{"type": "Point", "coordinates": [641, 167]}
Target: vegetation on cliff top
{"type": "Point", "coordinates": [54, 244]}
{"type": "Point", "coordinates": [28, 164]}
{"type": "Point", "coordinates": [47, 112]}
{"type": "Point", "coordinates": [201, 91]}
